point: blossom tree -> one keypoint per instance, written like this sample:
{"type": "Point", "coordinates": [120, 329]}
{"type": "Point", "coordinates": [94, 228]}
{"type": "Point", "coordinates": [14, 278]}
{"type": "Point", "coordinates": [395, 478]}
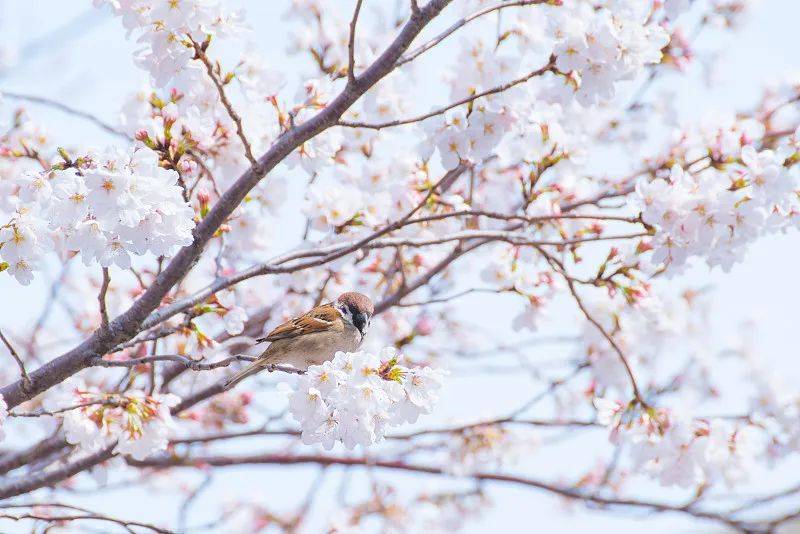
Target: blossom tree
{"type": "Point", "coordinates": [539, 177]}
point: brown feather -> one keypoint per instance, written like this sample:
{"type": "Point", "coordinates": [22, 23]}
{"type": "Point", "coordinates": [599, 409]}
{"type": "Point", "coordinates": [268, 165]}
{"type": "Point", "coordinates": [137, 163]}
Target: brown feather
{"type": "Point", "coordinates": [318, 319]}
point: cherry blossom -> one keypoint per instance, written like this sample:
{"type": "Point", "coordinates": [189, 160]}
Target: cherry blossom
{"type": "Point", "coordinates": [108, 207]}
{"type": "Point", "coordinates": [356, 396]}
{"type": "Point", "coordinates": [136, 423]}
{"type": "Point", "coordinates": [518, 187]}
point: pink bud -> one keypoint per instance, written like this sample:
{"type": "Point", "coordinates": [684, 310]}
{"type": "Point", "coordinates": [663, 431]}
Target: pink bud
{"type": "Point", "coordinates": [188, 166]}
{"type": "Point", "coordinates": [170, 112]}
{"type": "Point", "coordinates": [203, 197]}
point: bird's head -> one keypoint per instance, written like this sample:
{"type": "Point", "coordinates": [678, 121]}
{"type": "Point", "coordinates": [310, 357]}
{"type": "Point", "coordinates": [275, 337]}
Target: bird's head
{"type": "Point", "coordinates": [357, 309]}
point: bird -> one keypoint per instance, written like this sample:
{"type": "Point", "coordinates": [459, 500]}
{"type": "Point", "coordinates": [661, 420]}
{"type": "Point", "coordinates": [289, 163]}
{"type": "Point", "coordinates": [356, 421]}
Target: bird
{"type": "Point", "coordinates": [314, 337]}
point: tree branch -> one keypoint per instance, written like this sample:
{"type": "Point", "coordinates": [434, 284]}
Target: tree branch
{"type": "Point", "coordinates": [82, 516]}
{"type": "Point", "coordinates": [327, 460]}
{"type": "Point", "coordinates": [101, 298]}
{"type": "Point", "coordinates": [69, 110]}
{"type": "Point", "coordinates": [411, 56]}
{"type": "Point", "coordinates": [499, 89]}
{"type": "Point", "coordinates": [128, 324]}
{"type": "Point", "coordinates": [200, 54]}
{"type": "Point", "coordinates": [351, 45]}
{"type": "Point", "coordinates": [26, 380]}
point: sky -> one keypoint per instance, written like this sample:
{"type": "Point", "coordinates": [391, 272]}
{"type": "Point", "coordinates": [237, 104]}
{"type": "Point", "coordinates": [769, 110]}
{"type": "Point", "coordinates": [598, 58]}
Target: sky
{"type": "Point", "coordinates": [77, 55]}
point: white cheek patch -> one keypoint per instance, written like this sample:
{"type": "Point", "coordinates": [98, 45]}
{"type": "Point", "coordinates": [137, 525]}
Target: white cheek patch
{"type": "Point", "coordinates": [345, 311]}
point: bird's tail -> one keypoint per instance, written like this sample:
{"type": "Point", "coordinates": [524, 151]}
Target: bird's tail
{"type": "Point", "coordinates": [252, 369]}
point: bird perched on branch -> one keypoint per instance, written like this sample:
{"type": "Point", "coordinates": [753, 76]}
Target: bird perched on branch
{"type": "Point", "coordinates": [315, 336]}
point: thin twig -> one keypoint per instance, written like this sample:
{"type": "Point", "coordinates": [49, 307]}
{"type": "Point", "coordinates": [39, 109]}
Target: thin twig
{"type": "Point", "coordinates": [85, 515]}
{"type": "Point", "coordinates": [101, 298]}
{"type": "Point", "coordinates": [411, 56]}
{"type": "Point", "coordinates": [40, 413]}
{"type": "Point", "coordinates": [184, 360]}
{"type": "Point", "coordinates": [567, 491]}
{"type": "Point", "coordinates": [498, 89]}
{"type": "Point", "coordinates": [25, 378]}
{"type": "Point", "coordinates": [67, 109]}
{"type": "Point", "coordinates": [609, 338]}
{"type": "Point", "coordinates": [201, 55]}
{"type": "Point", "coordinates": [351, 45]}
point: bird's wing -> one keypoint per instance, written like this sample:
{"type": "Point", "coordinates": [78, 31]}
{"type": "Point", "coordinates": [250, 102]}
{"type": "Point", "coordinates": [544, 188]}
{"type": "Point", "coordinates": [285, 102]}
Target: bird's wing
{"type": "Point", "coordinates": [317, 319]}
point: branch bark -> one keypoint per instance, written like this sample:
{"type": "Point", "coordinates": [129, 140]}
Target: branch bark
{"type": "Point", "coordinates": [326, 460]}
{"type": "Point", "coordinates": [129, 323]}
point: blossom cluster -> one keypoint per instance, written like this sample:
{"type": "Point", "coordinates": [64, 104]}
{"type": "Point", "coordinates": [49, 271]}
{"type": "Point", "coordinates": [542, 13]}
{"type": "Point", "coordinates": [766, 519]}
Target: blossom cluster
{"type": "Point", "coordinates": [647, 331]}
{"type": "Point", "coordinates": [356, 396]}
{"type": "Point", "coordinates": [460, 138]}
{"type": "Point", "coordinates": [106, 207]}
{"type": "Point", "coordinates": [602, 47]}
{"type": "Point", "coordinates": [168, 31]}
{"type": "Point", "coordinates": [681, 451]}
{"type": "Point", "coordinates": [715, 214]}
{"type": "Point", "coordinates": [139, 423]}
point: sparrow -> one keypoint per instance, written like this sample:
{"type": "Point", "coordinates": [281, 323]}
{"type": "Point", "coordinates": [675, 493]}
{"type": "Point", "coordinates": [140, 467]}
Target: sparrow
{"type": "Point", "coordinates": [315, 336]}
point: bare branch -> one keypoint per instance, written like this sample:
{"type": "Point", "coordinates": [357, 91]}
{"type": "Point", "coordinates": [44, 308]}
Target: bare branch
{"type": "Point", "coordinates": [326, 460]}
{"type": "Point", "coordinates": [101, 298]}
{"type": "Point", "coordinates": [636, 393]}
{"type": "Point", "coordinates": [40, 413]}
{"type": "Point", "coordinates": [351, 45]}
{"type": "Point", "coordinates": [411, 56]}
{"type": "Point", "coordinates": [330, 253]}
{"type": "Point", "coordinates": [46, 447]}
{"type": "Point", "coordinates": [200, 54]}
{"type": "Point", "coordinates": [499, 89]}
{"type": "Point", "coordinates": [194, 365]}
{"type": "Point", "coordinates": [128, 324]}
{"type": "Point", "coordinates": [25, 378]}
{"type": "Point", "coordinates": [69, 110]}
{"type": "Point", "coordinates": [82, 516]}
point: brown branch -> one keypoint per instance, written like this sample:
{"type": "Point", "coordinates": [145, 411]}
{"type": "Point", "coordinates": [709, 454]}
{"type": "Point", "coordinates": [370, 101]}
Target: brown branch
{"type": "Point", "coordinates": [330, 253]}
{"type": "Point", "coordinates": [69, 110]}
{"type": "Point", "coordinates": [26, 380]}
{"type": "Point", "coordinates": [498, 89]}
{"type": "Point", "coordinates": [636, 393]}
{"type": "Point", "coordinates": [101, 298]}
{"type": "Point", "coordinates": [46, 447]}
{"type": "Point", "coordinates": [221, 436]}
{"type": "Point", "coordinates": [219, 387]}
{"type": "Point", "coordinates": [82, 516]}
{"type": "Point", "coordinates": [129, 323]}
{"type": "Point", "coordinates": [327, 460]}
{"type": "Point", "coordinates": [351, 45]}
{"type": "Point", "coordinates": [40, 413]}
{"type": "Point", "coordinates": [10, 487]}
{"type": "Point", "coordinates": [189, 363]}
{"type": "Point", "coordinates": [523, 218]}
{"type": "Point", "coordinates": [200, 54]}
{"type": "Point", "coordinates": [411, 56]}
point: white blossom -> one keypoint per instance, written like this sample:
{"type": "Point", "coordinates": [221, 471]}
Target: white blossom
{"type": "Point", "coordinates": [138, 423]}
{"type": "Point", "coordinates": [353, 398]}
